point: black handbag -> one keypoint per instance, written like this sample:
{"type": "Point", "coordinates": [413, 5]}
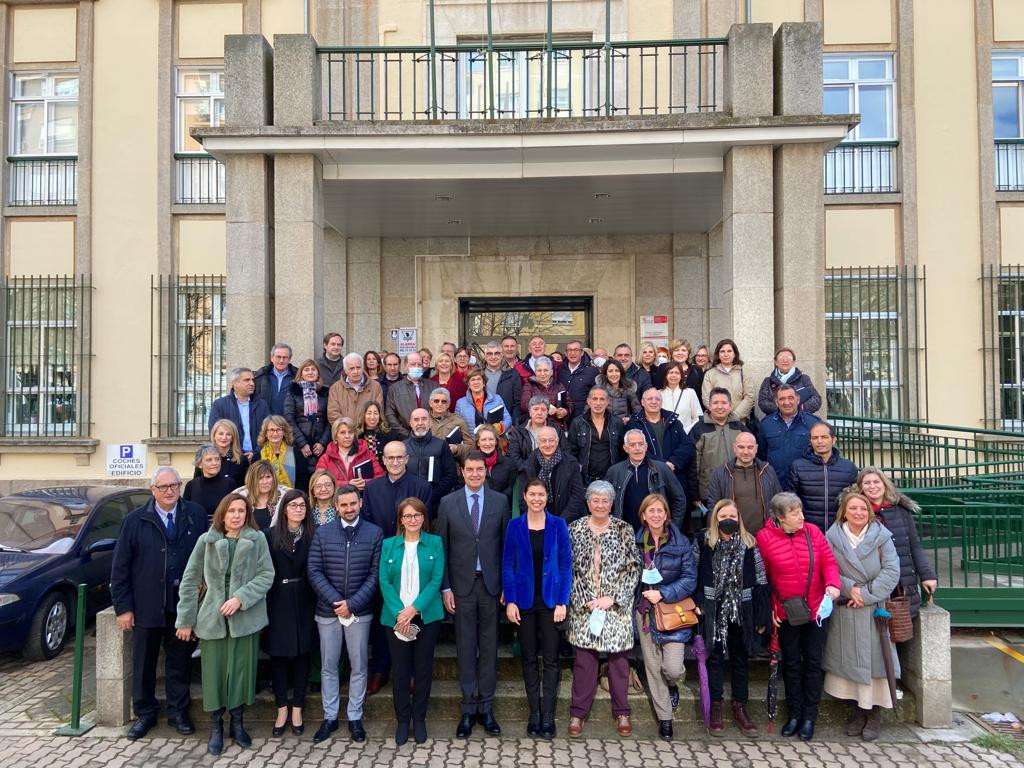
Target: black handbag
{"type": "Point", "coordinates": [798, 610]}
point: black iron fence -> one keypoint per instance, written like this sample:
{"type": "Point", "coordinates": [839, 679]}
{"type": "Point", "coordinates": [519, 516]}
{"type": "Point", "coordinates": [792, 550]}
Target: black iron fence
{"type": "Point", "coordinates": [1009, 165]}
{"type": "Point", "coordinates": [49, 180]}
{"type": "Point", "coordinates": [860, 167]}
{"type": "Point", "coordinates": [1003, 351]}
{"type": "Point", "coordinates": [199, 179]}
{"type": "Point", "coordinates": [522, 80]}
{"type": "Point", "coordinates": [188, 335]}
{"type": "Point", "coordinates": [47, 356]}
{"type": "Point", "coordinates": [875, 342]}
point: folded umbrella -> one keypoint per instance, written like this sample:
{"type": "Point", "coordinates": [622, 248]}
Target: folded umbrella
{"type": "Point", "coordinates": [700, 651]}
{"type": "Point", "coordinates": [882, 617]}
{"type": "Point", "coordinates": [772, 697]}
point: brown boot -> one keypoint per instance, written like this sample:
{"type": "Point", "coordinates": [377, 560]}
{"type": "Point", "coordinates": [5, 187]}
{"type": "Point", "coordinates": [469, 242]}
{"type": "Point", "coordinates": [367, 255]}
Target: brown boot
{"type": "Point", "coordinates": [716, 727]}
{"type": "Point", "coordinates": [739, 714]}
{"type": "Point", "coordinates": [872, 725]}
{"type": "Point", "coordinates": [856, 725]}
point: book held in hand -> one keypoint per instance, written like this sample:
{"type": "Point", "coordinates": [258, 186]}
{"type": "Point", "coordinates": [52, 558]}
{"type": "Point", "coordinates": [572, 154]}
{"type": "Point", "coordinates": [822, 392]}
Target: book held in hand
{"type": "Point", "coordinates": [363, 469]}
{"type": "Point", "coordinates": [496, 414]}
{"type": "Point", "coordinates": [455, 436]}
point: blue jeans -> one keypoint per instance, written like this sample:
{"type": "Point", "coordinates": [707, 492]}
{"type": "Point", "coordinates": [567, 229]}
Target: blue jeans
{"type": "Point", "coordinates": [333, 639]}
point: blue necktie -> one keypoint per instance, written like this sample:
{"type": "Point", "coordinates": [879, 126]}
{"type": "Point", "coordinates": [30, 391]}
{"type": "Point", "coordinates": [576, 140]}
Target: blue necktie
{"type": "Point", "coordinates": [172, 530]}
{"type": "Point", "coordinates": [474, 513]}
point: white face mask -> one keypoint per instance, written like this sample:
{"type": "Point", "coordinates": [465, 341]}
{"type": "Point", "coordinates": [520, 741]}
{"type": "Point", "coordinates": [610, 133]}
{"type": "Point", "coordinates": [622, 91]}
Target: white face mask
{"type": "Point", "coordinates": [662, 359]}
{"type": "Point", "coordinates": [472, 359]}
{"type": "Point", "coordinates": [599, 362]}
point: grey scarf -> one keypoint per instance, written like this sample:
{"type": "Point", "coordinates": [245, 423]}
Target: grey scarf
{"type": "Point", "coordinates": [727, 566]}
{"type": "Point", "coordinates": [547, 466]}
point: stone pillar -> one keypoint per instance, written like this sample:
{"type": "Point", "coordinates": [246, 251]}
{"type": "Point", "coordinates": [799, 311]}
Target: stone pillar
{"type": "Point", "coordinates": [364, 300]}
{"type": "Point", "coordinates": [113, 671]}
{"type": "Point", "coordinates": [335, 283]}
{"type": "Point", "coordinates": [928, 668]}
{"type": "Point", "coordinates": [799, 205]}
{"type": "Point", "coordinates": [247, 64]}
{"type": "Point", "coordinates": [748, 70]}
{"type": "Point", "coordinates": [690, 286]}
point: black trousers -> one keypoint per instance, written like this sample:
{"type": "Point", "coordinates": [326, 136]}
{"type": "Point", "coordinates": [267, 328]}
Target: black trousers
{"type": "Point", "coordinates": [297, 668]}
{"type": "Point", "coordinates": [802, 648]}
{"type": "Point", "coordinates": [538, 636]}
{"type": "Point", "coordinates": [476, 647]}
{"type": "Point", "coordinates": [413, 660]}
{"type": "Point", "coordinates": [380, 642]}
{"type": "Point", "coordinates": [146, 643]}
{"type": "Point", "coordinates": [738, 659]}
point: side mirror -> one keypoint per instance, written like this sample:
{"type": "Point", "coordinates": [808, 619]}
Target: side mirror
{"type": "Point", "coordinates": [103, 545]}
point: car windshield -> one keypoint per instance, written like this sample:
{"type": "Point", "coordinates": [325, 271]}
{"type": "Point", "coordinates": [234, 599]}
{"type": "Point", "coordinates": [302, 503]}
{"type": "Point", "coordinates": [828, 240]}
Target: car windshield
{"type": "Point", "coordinates": [39, 526]}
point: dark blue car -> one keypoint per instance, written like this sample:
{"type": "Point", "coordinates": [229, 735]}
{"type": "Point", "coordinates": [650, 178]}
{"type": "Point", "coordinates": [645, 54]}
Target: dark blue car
{"type": "Point", "coordinates": [51, 540]}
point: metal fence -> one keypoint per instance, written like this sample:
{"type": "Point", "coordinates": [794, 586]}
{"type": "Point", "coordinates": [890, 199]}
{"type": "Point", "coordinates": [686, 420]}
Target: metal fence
{"type": "Point", "coordinates": [1009, 165]}
{"type": "Point", "coordinates": [188, 336]}
{"type": "Point", "coordinates": [50, 180]}
{"type": "Point", "coordinates": [1002, 296]}
{"type": "Point", "coordinates": [970, 486]}
{"type": "Point", "coordinates": [860, 167]}
{"type": "Point", "coordinates": [522, 80]}
{"type": "Point", "coordinates": [875, 342]}
{"type": "Point", "coordinates": [199, 179]}
{"type": "Point", "coordinates": [47, 356]}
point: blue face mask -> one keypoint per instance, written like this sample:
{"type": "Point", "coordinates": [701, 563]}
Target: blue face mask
{"type": "Point", "coordinates": [415, 373]}
{"type": "Point", "coordinates": [824, 610]}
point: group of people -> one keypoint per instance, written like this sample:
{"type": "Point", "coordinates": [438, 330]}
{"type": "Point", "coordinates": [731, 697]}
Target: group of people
{"type": "Point", "coordinates": [569, 495]}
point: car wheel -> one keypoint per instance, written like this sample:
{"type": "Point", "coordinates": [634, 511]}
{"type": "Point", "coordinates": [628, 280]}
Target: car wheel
{"type": "Point", "coordinates": [48, 632]}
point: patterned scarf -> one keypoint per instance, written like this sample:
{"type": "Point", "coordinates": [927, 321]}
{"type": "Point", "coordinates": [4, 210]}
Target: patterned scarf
{"type": "Point", "coordinates": [490, 460]}
{"type": "Point", "coordinates": [329, 515]}
{"type": "Point", "coordinates": [547, 466]}
{"type": "Point", "coordinates": [727, 566]}
{"type": "Point", "coordinates": [310, 405]}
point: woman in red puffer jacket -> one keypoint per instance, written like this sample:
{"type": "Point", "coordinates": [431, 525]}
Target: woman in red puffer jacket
{"type": "Point", "coordinates": [799, 564]}
{"type": "Point", "coordinates": [349, 459]}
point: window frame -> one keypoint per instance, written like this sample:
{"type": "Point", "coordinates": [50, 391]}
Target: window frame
{"type": "Point", "coordinates": [1009, 82]}
{"type": "Point", "coordinates": [1016, 383]}
{"type": "Point", "coordinates": [186, 390]}
{"type": "Point", "coordinates": [856, 83]}
{"type": "Point", "coordinates": [180, 98]}
{"type": "Point", "coordinates": [47, 101]}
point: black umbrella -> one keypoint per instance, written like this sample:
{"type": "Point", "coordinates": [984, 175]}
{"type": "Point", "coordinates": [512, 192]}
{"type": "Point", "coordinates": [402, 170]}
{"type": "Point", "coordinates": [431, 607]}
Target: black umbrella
{"type": "Point", "coordinates": [772, 697]}
{"type": "Point", "coordinates": [882, 617]}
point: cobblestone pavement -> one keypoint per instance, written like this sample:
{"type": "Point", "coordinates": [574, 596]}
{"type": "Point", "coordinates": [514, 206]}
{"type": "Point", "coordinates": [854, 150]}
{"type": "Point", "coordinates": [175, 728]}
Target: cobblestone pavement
{"type": "Point", "coordinates": [35, 698]}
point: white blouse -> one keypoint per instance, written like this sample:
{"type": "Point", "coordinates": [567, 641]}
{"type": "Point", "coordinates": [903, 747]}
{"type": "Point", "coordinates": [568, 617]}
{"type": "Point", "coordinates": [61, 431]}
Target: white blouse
{"type": "Point", "coordinates": [409, 589]}
{"type": "Point", "coordinates": [684, 403]}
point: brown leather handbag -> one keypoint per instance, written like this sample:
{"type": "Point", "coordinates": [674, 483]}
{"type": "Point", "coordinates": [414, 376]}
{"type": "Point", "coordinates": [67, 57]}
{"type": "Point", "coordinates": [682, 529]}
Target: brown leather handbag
{"type": "Point", "coordinates": [668, 617]}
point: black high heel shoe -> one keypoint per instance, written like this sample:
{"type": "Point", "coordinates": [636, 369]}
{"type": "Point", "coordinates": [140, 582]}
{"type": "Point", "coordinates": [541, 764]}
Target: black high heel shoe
{"type": "Point", "coordinates": [299, 729]}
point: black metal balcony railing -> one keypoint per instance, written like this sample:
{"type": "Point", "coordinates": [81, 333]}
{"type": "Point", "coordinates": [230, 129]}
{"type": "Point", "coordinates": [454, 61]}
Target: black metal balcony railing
{"type": "Point", "coordinates": [1009, 165]}
{"type": "Point", "coordinates": [199, 179]}
{"type": "Point", "coordinates": [46, 356]}
{"type": "Point", "coordinates": [523, 80]}
{"type": "Point", "coordinates": [861, 167]}
{"type": "Point", "coordinates": [43, 180]}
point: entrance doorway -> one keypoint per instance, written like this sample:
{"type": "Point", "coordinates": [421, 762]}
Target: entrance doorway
{"type": "Point", "coordinates": [559, 319]}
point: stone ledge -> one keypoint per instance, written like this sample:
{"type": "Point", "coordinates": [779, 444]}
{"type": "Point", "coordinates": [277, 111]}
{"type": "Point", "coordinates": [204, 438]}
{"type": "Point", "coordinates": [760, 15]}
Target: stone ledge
{"type": "Point", "coordinates": [165, 447]}
{"type": "Point", "coordinates": [865, 198]}
{"type": "Point", "coordinates": [17, 211]}
{"type": "Point", "coordinates": [82, 447]}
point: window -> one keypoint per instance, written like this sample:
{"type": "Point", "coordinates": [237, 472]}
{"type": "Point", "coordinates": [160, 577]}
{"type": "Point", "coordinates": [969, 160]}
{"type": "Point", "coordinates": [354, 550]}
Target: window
{"type": "Point", "coordinates": [44, 139]}
{"type": "Point", "coordinates": [1010, 349]}
{"type": "Point", "coordinates": [1008, 119]}
{"type": "Point", "coordinates": [106, 523]}
{"type": "Point", "coordinates": [190, 360]}
{"type": "Point", "coordinates": [47, 363]}
{"type": "Point", "coordinates": [866, 160]}
{"type": "Point", "coordinates": [200, 104]}
{"type": "Point", "coordinates": [873, 358]}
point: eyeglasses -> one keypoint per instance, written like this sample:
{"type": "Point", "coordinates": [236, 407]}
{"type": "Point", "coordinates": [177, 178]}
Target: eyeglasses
{"type": "Point", "coordinates": [295, 505]}
{"type": "Point", "coordinates": [412, 516]}
{"type": "Point", "coordinates": [164, 488]}
{"type": "Point", "coordinates": [395, 458]}
{"type": "Point", "coordinates": [323, 486]}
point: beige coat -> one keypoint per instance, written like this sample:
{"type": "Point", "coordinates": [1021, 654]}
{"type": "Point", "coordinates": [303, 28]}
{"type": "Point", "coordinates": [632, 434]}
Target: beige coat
{"type": "Point", "coordinates": [739, 385]}
{"type": "Point", "coordinates": [344, 400]}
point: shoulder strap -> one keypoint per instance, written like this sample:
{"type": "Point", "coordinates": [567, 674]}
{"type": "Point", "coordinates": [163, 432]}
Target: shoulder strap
{"type": "Point", "coordinates": [810, 568]}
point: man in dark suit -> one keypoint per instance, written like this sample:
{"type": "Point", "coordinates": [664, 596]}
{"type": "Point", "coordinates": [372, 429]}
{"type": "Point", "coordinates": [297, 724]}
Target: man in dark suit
{"type": "Point", "coordinates": [407, 395]}
{"type": "Point", "coordinates": [242, 407]}
{"type": "Point", "coordinates": [152, 550]}
{"type": "Point", "coordinates": [471, 522]}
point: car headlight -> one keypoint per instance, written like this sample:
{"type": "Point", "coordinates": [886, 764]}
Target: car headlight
{"type": "Point", "coordinates": [7, 598]}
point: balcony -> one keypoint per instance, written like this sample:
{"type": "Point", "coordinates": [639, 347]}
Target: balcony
{"type": "Point", "coordinates": [523, 80]}
{"type": "Point", "coordinates": [199, 179]}
{"type": "Point", "coordinates": [1009, 165]}
{"type": "Point", "coordinates": [43, 180]}
{"type": "Point", "coordinates": [861, 167]}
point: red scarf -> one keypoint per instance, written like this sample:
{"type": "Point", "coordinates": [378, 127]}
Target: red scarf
{"type": "Point", "coordinates": [490, 459]}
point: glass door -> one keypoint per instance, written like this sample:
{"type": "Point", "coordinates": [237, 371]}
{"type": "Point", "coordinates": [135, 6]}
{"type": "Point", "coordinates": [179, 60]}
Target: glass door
{"type": "Point", "coordinates": [559, 319]}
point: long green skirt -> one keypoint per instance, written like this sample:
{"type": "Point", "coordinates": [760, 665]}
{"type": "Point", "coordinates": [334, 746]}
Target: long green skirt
{"type": "Point", "coordinates": [229, 671]}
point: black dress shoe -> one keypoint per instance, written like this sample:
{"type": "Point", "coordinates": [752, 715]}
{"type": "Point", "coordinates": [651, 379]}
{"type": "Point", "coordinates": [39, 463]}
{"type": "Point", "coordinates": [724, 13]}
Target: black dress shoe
{"type": "Point", "coordinates": [547, 727]}
{"type": "Point", "coordinates": [327, 727]}
{"type": "Point", "coordinates": [807, 730]}
{"type": "Point", "coordinates": [486, 719]}
{"type": "Point", "coordinates": [401, 734]}
{"type": "Point", "coordinates": [665, 729]}
{"type": "Point", "coordinates": [182, 724]}
{"type": "Point", "coordinates": [465, 727]}
{"type": "Point", "coordinates": [533, 724]}
{"type": "Point", "coordinates": [791, 727]}
{"type": "Point", "coordinates": [140, 727]}
{"type": "Point", "coordinates": [419, 731]}
{"type": "Point", "coordinates": [355, 727]}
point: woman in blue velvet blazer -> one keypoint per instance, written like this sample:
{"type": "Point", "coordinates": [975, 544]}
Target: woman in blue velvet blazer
{"type": "Point", "coordinates": [536, 575]}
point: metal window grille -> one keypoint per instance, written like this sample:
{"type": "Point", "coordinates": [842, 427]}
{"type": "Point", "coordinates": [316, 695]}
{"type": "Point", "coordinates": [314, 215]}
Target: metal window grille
{"type": "Point", "coordinates": [199, 180]}
{"type": "Point", "coordinates": [875, 346]}
{"type": "Point", "coordinates": [43, 181]}
{"type": "Point", "coordinates": [1009, 165]}
{"type": "Point", "coordinates": [189, 329]}
{"type": "Point", "coordinates": [862, 167]}
{"type": "Point", "coordinates": [1003, 355]}
{"type": "Point", "coordinates": [48, 356]}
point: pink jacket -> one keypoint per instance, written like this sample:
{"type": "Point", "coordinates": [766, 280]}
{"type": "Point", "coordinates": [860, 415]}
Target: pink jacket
{"type": "Point", "coordinates": [786, 560]}
{"type": "Point", "coordinates": [331, 461]}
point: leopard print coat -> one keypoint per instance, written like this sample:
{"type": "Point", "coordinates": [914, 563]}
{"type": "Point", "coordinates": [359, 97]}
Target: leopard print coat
{"type": "Point", "coordinates": [620, 573]}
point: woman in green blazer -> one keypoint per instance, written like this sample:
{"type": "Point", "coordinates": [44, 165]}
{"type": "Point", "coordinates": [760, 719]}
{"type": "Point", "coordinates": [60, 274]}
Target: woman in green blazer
{"type": "Point", "coordinates": [232, 561]}
{"type": "Point", "coordinates": [412, 606]}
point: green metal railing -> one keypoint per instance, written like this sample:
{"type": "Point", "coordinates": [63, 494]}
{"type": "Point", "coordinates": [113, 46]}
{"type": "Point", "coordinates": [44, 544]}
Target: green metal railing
{"type": "Point", "coordinates": [970, 486]}
{"type": "Point", "coordinates": [506, 80]}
